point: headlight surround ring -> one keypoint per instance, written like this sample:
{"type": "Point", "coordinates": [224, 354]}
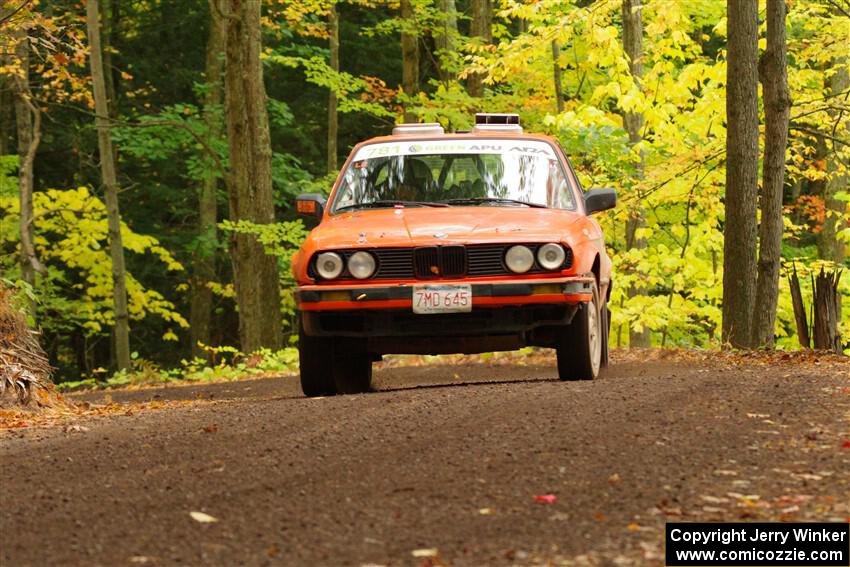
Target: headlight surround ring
{"type": "Point", "coordinates": [551, 256]}
{"type": "Point", "coordinates": [362, 265]}
{"type": "Point", "coordinates": [519, 259]}
{"type": "Point", "coordinates": [329, 265]}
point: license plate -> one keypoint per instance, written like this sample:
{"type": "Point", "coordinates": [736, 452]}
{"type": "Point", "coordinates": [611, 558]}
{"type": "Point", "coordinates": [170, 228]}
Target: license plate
{"type": "Point", "coordinates": [447, 298]}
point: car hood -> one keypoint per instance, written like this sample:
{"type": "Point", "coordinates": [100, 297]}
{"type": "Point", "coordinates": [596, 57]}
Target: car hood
{"type": "Point", "coordinates": [422, 226]}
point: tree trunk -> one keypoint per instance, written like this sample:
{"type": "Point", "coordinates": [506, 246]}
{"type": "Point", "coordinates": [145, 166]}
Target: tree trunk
{"type": "Point", "coordinates": [799, 310]}
{"type": "Point", "coordinates": [7, 107]}
{"type": "Point", "coordinates": [333, 117]}
{"type": "Point", "coordinates": [481, 27]}
{"type": "Point", "coordinates": [109, 33]}
{"type": "Point", "coordinates": [829, 246]}
{"type": "Point", "coordinates": [409, 57]}
{"type": "Point", "coordinates": [110, 183]}
{"type": "Point", "coordinates": [827, 308]}
{"type": "Point", "coordinates": [200, 311]}
{"type": "Point", "coordinates": [255, 273]}
{"type": "Point", "coordinates": [445, 35]}
{"type": "Point", "coordinates": [777, 106]}
{"type": "Point", "coordinates": [633, 122]}
{"type": "Point", "coordinates": [742, 153]}
{"type": "Point", "coordinates": [556, 75]}
{"type": "Point", "coordinates": [28, 120]}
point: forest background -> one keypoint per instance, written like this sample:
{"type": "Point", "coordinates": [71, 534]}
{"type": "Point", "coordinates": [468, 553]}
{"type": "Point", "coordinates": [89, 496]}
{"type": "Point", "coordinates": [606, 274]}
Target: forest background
{"type": "Point", "coordinates": [636, 93]}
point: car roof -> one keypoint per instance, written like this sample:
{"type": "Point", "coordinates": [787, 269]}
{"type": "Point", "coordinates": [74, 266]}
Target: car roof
{"type": "Point", "coordinates": [486, 135]}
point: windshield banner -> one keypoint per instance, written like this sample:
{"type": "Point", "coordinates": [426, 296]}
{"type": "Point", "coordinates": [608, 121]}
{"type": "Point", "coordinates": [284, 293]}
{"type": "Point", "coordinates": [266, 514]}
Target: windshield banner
{"type": "Point", "coordinates": [516, 147]}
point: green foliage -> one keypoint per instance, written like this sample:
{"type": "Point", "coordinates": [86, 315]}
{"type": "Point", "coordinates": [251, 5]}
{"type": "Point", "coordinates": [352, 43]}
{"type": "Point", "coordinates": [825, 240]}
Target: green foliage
{"type": "Point", "coordinates": [238, 367]}
{"type": "Point", "coordinates": [71, 241]}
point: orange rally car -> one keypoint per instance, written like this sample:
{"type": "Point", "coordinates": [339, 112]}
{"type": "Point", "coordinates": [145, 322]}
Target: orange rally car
{"type": "Point", "coordinates": [436, 243]}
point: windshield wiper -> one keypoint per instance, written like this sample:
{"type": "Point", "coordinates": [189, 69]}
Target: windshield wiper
{"type": "Point", "coordinates": [474, 200]}
{"type": "Point", "coordinates": [389, 203]}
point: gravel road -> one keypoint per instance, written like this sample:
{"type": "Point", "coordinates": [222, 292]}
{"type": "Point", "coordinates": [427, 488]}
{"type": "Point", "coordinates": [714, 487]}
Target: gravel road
{"type": "Point", "coordinates": [429, 471]}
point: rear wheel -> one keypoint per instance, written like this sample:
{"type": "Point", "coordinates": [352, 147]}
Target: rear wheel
{"type": "Point", "coordinates": [580, 344]}
{"type": "Point", "coordinates": [315, 360]}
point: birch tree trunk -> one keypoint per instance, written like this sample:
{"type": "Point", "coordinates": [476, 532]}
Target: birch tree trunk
{"type": "Point", "coordinates": [121, 330]}
{"type": "Point", "coordinates": [409, 57]}
{"type": "Point", "coordinates": [255, 273]}
{"type": "Point", "coordinates": [777, 107]}
{"type": "Point", "coordinates": [742, 153]}
{"type": "Point", "coordinates": [333, 117]}
{"type": "Point", "coordinates": [200, 310]}
{"type": "Point", "coordinates": [633, 121]}
{"type": "Point", "coordinates": [481, 27]}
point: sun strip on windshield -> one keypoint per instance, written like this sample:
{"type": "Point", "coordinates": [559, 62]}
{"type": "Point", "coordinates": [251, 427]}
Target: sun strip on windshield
{"type": "Point", "coordinates": [508, 147]}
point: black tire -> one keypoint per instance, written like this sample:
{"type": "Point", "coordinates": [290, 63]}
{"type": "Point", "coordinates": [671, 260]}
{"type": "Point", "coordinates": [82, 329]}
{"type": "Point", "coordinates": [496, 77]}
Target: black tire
{"type": "Point", "coordinates": [315, 361]}
{"type": "Point", "coordinates": [606, 336]}
{"type": "Point", "coordinates": [580, 344]}
{"type": "Point", "coordinates": [352, 370]}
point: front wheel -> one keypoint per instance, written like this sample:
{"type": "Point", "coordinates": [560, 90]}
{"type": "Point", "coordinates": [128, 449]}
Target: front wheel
{"type": "Point", "coordinates": [580, 344]}
{"type": "Point", "coordinates": [315, 361]}
{"type": "Point", "coordinates": [352, 368]}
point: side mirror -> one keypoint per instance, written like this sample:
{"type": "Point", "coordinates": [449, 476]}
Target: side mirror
{"type": "Point", "coordinates": [310, 205]}
{"type": "Point", "coordinates": [596, 200]}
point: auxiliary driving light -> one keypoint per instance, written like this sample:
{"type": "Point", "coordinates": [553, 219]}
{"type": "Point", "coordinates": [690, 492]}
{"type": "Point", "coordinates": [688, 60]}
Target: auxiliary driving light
{"type": "Point", "coordinates": [361, 265]}
{"type": "Point", "coordinates": [329, 265]}
{"type": "Point", "coordinates": [519, 259]}
{"type": "Point", "coordinates": [551, 256]}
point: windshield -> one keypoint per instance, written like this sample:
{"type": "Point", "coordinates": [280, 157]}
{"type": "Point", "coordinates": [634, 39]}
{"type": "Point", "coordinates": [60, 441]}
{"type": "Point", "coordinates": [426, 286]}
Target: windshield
{"type": "Point", "coordinates": [500, 173]}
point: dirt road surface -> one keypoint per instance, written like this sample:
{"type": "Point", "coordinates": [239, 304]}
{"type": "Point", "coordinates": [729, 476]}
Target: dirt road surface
{"type": "Point", "coordinates": [428, 471]}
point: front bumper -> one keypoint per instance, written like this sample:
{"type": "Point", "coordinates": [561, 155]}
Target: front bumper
{"type": "Point", "coordinates": [571, 290]}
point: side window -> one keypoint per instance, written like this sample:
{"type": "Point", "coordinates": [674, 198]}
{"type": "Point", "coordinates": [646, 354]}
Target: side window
{"type": "Point", "coordinates": [575, 178]}
{"type": "Point", "coordinates": [571, 172]}
{"type": "Point", "coordinates": [559, 194]}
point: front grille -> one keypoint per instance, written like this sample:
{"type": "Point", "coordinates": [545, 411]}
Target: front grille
{"type": "Point", "coordinates": [451, 261]}
{"type": "Point", "coordinates": [426, 262]}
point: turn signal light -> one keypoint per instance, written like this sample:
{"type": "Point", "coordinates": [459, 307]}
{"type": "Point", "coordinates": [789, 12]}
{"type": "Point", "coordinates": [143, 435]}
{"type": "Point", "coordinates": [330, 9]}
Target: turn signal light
{"type": "Point", "coordinates": [306, 207]}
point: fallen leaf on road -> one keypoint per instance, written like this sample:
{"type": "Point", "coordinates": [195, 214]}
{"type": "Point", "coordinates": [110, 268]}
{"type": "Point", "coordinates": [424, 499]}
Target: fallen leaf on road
{"type": "Point", "coordinates": [614, 478]}
{"type": "Point", "coordinates": [723, 472]}
{"type": "Point", "coordinates": [211, 428]}
{"type": "Point", "coordinates": [545, 498]}
{"type": "Point", "coordinates": [845, 445]}
{"type": "Point", "coordinates": [426, 552]}
{"type": "Point", "coordinates": [203, 518]}
{"type": "Point", "coordinates": [485, 511]}
{"type": "Point", "coordinates": [75, 429]}
{"type": "Point", "coordinates": [807, 476]}
{"type": "Point", "coordinates": [633, 527]}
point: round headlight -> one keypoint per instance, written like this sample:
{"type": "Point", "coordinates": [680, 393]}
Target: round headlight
{"type": "Point", "coordinates": [361, 265]}
{"type": "Point", "coordinates": [519, 259]}
{"type": "Point", "coordinates": [329, 265]}
{"type": "Point", "coordinates": [551, 256]}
